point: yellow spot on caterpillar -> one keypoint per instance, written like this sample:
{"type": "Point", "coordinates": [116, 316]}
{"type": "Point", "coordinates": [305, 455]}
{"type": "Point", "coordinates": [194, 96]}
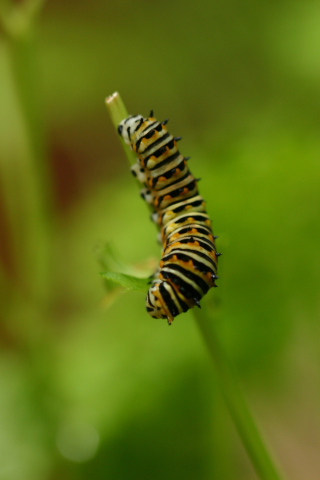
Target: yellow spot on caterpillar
{"type": "Point", "coordinates": [188, 264]}
{"type": "Point", "coordinates": [170, 229]}
{"type": "Point", "coordinates": [151, 163]}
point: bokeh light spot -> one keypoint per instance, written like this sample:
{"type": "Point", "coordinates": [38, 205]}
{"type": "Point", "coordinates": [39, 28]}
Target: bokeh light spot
{"type": "Point", "coordinates": [78, 442]}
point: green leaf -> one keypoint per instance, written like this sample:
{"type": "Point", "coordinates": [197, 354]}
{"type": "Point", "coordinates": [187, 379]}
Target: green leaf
{"type": "Point", "coordinates": [127, 281]}
{"type": "Point", "coordinates": [109, 258]}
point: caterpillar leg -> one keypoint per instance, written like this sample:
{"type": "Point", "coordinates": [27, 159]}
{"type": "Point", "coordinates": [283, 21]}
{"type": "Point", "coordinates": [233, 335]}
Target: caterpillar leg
{"type": "Point", "coordinates": [147, 195]}
{"type": "Point", "coordinates": [139, 172]}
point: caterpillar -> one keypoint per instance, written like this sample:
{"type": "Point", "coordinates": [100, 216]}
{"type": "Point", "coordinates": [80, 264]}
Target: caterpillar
{"type": "Point", "coordinates": [188, 267]}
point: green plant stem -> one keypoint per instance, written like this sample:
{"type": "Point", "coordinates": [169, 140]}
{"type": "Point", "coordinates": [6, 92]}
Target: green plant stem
{"type": "Point", "coordinates": [237, 406]}
{"type": "Point", "coordinates": [118, 112]}
{"type": "Point", "coordinates": [235, 401]}
{"type": "Point", "coordinates": [23, 164]}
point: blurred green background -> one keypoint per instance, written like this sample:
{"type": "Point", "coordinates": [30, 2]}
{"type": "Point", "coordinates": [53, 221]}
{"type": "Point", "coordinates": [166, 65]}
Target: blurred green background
{"type": "Point", "coordinates": [91, 388]}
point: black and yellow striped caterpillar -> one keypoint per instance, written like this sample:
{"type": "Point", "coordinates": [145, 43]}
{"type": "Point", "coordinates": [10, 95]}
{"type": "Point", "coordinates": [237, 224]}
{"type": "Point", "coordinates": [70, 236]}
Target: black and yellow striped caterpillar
{"type": "Point", "coordinates": [188, 265]}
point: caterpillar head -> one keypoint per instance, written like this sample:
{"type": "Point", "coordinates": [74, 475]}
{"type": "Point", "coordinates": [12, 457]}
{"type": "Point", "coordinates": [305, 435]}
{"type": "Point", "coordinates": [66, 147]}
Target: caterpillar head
{"type": "Point", "coordinates": [156, 303]}
{"type": "Point", "coordinates": [128, 126]}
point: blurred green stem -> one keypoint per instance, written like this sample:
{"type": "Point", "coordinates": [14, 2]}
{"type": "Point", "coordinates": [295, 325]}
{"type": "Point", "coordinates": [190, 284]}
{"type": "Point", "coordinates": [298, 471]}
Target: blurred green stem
{"type": "Point", "coordinates": [23, 165]}
{"type": "Point", "coordinates": [17, 19]}
{"type": "Point", "coordinates": [234, 399]}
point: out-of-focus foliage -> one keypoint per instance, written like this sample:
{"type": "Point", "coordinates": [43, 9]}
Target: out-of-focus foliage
{"type": "Point", "coordinates": [92, 388]}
